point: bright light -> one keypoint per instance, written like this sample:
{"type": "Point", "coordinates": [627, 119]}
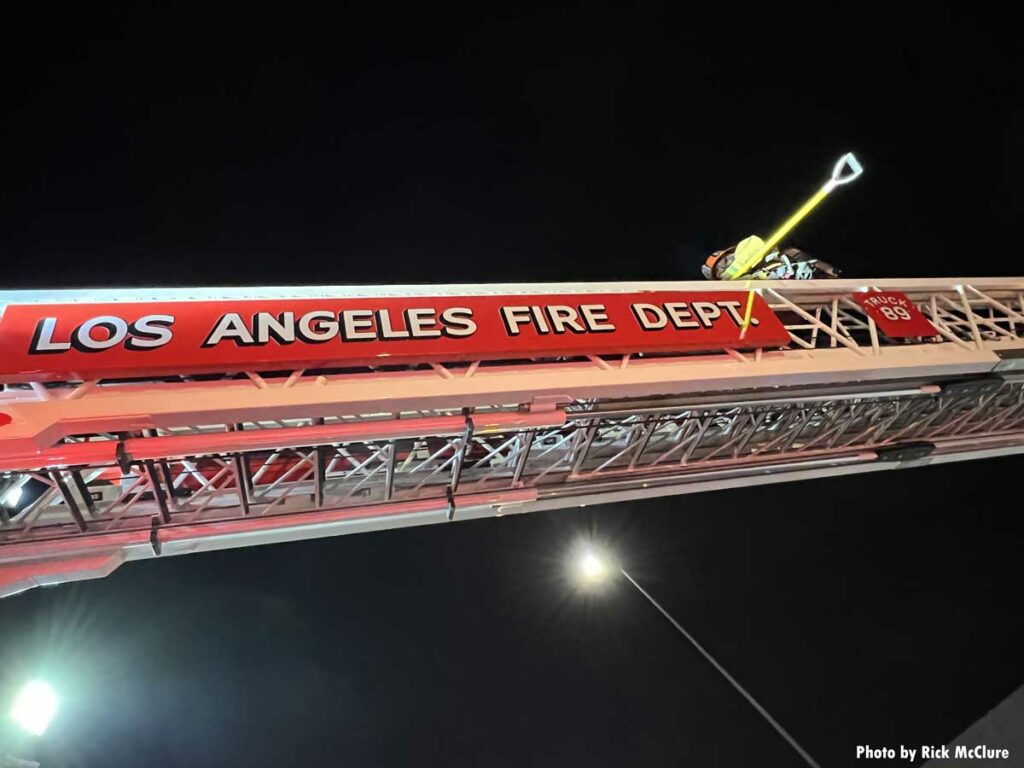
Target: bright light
{"type": "Point", "coordinates": [11, 496]}
{"type": "Point", "coordinates": [34, 707]}
{"type": "Point", "coordinates": [591, 567]}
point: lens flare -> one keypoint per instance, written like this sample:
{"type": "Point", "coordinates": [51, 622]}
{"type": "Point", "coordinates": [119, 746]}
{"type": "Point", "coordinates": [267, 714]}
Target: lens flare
{"type": "Point", "coordinates": [34, 707]}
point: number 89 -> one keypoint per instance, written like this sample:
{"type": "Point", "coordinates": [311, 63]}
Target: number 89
{"type": "Point", "coordinates": [895, 313]}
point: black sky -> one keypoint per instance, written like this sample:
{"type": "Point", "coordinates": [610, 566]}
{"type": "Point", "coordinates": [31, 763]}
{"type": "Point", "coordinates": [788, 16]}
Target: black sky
{"type": "Point", "coordinates": [165, 146]}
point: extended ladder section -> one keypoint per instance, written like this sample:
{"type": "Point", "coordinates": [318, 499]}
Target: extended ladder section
{"type": "Point", "coordinates": [562, 406]}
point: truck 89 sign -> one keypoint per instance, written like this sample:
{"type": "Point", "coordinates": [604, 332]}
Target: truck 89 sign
{"type": "Point", "coordinates": [895, 314]}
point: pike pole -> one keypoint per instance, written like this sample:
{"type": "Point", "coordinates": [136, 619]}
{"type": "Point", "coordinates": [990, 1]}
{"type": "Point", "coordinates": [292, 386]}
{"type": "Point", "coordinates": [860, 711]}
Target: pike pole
{"type": "Point", "coordinates": [751, 251]}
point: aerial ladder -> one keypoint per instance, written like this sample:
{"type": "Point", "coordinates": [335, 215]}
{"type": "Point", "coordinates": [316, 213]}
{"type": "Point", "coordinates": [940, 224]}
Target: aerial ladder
{"type": "Point", "coordinates": [148, 423]}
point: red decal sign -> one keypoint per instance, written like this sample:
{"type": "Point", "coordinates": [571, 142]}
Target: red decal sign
{"type": "Point", "coordinates": [895, 314]}
{"type": "Point", "coordinates": [86, 341]}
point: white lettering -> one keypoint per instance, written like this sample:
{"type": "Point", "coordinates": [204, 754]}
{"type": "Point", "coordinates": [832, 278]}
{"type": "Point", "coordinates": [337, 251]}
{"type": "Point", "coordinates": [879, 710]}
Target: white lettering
{"type": "Point", "coordinates": [282, 329]}
{"type": "Point", "coordinates": [876, 753]}
{"type": "Point", "coordinates": [733, 310]}
{"type": "Point", "coordinates": [43, 342]}
{"type": "Point", "coordinates": [115, 327]}
{"type": "Point", "coordinates": [318, 326]}
{"type": "Point", "coordinates": [680, 315]}
{"type": "Point", "coordinates": [563, 317]}
{"type": "Point", "coordinates": [231, 327]}
{"type": "Point", "coordinates": [707, 312]}
{"type": "Point", "coordinates": [353, 325]}
{"type": "Point", "coordinates": [150, 332]}
{"type": "Point", "coordinates": [384, 326]}
{"type": "Point", "coordinates": [643, 313]}
{"type": "Point", "coordinates": [421, 322]}
{"type": "Point", "coordinates": [458, 321]}
{"type": "Point", "coordinates": [595, 317]}
{"type": "Point", "coordinates": [542, 325]}
{"type": "Point", "coordinates": [515, 317]}
{"type": "Point", "coordinates": [979, 752]}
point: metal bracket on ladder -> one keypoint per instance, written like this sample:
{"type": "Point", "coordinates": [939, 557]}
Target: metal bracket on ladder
{"type": "Point", "coordinates": [154, 534]}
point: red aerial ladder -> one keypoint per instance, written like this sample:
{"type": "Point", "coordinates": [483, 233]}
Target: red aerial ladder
{"type": "Point", "coordinates": [149, 423]}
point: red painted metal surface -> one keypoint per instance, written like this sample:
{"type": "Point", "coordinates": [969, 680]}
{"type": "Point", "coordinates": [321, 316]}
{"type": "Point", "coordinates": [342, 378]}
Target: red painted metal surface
{"type": "Point", "coordinates": [64, 455]}
{"type": "Point", "coordinates": [40, 342]}
{"type": "Point", "coordinates": [149, 448]}
{"type": "Point", "coordinates": [895, 314]}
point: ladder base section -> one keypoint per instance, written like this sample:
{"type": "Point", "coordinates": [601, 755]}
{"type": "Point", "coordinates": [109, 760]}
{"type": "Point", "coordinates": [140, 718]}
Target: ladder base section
{"type": "Point", "coordinates": [87, 557]}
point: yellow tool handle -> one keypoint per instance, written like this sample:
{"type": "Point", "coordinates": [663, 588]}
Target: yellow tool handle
{"type": "Point", "coordinates": [746, 315]}
{"type": "Point", "coordinates": [846, 170]}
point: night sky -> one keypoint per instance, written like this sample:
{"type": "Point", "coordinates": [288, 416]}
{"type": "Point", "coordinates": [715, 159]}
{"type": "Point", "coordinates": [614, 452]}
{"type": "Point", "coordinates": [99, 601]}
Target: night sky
{"type": "Point", "coordinates": [163, 146]}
